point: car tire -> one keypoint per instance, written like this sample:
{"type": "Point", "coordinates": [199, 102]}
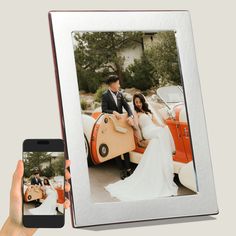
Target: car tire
{"type": "Point", "coordinates": [87, 148]}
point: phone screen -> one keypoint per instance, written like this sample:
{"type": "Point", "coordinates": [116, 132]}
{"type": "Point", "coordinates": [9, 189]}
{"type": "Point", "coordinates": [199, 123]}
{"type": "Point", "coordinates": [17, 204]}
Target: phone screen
{"type": "Point", "coordinates": [43, 182]}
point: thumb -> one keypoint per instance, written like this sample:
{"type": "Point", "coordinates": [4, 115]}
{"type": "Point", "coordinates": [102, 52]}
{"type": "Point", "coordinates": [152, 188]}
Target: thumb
{"type": "Point", "coordinates": [17, 177]}
{"type": "Point", "coordinates": [16, 194]}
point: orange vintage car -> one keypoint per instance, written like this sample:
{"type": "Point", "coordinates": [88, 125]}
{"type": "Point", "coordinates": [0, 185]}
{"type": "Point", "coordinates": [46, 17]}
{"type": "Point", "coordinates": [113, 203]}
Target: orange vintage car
{"type": "Point", "coordinates": [34, 192]}
{"type": "Point", "coordinates": [106, 137]}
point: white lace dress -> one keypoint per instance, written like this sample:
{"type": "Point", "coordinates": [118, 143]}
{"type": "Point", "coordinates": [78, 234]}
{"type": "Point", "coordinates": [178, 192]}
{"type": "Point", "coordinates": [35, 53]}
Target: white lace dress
{"type": "Point", "coordinates": [153, 177]}
{"type": "Point", "coordinates": [48, 207]}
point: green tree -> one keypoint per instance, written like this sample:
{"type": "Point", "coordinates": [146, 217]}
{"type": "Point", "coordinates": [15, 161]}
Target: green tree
{"type": "Point", "coordinates": [58, 166]}
{"type": "Point", "coordinates": [97, 54]}
{"type": "Point", "coordinates": [99, 92]}
{"type": "Point", "coordinates": [163, 56]}
{"type": "Point", "coordinates": [48, 172]}
{"type": "Point", "coordinates": [140, 74]}
{"type": "Point", "coordinates": [32, 161]}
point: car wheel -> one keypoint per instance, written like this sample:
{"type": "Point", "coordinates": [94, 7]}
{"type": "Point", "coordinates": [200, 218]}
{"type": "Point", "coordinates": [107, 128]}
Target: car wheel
{"type": "Point", "coordinates": [103, 150]}
{"type": "Point", "coordinates": [89, 157]}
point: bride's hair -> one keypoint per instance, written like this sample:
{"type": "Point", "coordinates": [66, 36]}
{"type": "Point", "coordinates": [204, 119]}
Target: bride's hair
{"type": "Point", "coordinates": [145, 107]}
{"type": "Point", "coordinates": [46, 182]}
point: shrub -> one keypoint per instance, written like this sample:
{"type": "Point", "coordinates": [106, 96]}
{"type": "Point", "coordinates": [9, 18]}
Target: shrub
{"type": "Point", "coordinates": [99, 92]}
{"type": "Point", "coordinates": [84, 104]}
{"type": "Point", "coordinates": [48, 172]}
{"type": "Point", "coordinates": [140, 74]}
{"type": "Point", "coordinates": [88, 80]}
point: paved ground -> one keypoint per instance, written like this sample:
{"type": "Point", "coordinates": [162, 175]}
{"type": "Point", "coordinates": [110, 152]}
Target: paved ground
{"type": "Point", "coordinates": [108, 172]}
{"type": "Point", "coordinates": [31, 205]}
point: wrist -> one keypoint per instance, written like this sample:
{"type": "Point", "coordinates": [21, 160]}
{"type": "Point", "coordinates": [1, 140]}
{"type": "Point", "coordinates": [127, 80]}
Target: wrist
{"type": "Point", "coordinates": [9, 228]}
{"type": "Point", "coordinates": [13, 229]}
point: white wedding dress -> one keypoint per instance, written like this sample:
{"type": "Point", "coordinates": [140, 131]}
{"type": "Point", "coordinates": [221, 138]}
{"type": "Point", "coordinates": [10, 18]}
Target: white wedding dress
{"type": "Point", "coordinates": [48, 207]}
{"type": "Point", "coordinates": [153, 177]}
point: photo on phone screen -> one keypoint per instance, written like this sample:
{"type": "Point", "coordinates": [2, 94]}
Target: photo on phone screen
{"type": "Point", "coordinates": [43, 183]}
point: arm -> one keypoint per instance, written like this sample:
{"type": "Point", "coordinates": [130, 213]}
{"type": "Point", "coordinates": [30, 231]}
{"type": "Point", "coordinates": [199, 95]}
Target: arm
{"type": "Point", "coordinates": [137, 131]}
{"type": "Point", "coordinates": [154, 119]}
{"type": "Point", "coordinates": [13, 229]}
{"type": "Point", "coordinates": [51, 185]}
{"type": "Point", "coordinates": [43, 189]}
{"type": "Point", "coordinates": [105, 105]}
{"type": "Point", "coordinates": [40, 182]}
{"type": "Point", "coordinates": [13, 225]}
{"type": "Point", "coordinates": [138, 134]}
{"type": "Point", "coordinates": [126, 106]}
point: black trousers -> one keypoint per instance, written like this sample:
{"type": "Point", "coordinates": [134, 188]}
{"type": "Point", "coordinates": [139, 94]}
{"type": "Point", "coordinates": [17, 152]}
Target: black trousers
{"type": "Point", "coordinates": [36, 202]}
{"type": "Point", "coordinates": [120, 164]}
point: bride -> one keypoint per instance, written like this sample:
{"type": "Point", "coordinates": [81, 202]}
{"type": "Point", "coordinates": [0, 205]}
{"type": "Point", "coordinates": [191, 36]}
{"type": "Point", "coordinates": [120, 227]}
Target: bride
{"type": "Point", "coordinates": [153, 177]}
{"type": "Point", "coordinates": [48, 207]}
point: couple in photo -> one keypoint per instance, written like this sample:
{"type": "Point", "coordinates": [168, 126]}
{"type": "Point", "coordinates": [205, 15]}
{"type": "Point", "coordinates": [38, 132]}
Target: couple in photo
{"type": "Point", "coordinates": [48, 207]}
{"type": "Point", "coordinates": [153, 177]}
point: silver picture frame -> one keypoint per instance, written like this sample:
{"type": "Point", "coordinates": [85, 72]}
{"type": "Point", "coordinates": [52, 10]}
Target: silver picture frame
{"type": "Point", "coordinates": [84, 211]}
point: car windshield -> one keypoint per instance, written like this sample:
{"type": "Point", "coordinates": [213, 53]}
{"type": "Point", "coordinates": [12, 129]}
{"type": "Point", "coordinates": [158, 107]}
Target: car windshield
{"type": "Point", "coordinates": [171, 94]}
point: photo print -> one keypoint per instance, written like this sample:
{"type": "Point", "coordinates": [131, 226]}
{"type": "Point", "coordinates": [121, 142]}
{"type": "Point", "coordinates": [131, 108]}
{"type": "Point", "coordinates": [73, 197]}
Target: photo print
{"type": "Point", "coordinates": [43, 183]}
{"type": "Point", "coordinates": [134, 115]}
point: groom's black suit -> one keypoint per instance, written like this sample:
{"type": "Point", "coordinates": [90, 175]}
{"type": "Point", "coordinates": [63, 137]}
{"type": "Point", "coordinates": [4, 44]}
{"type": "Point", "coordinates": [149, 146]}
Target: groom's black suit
{"type": "Point", "coordinates": [35, 181]}
{"type": "Point", "coordinates": [108, 106]}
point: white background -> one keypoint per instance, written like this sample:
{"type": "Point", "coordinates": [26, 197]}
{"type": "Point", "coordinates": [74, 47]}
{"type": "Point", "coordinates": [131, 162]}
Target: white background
{"type": "Point", "coordinates": [29, 108]}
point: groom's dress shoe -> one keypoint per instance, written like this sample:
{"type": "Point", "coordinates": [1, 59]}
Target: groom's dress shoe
{"type": "Point", "coordinates": [123, 174]}
{"type": "Point", "coordinates": [129, 172]}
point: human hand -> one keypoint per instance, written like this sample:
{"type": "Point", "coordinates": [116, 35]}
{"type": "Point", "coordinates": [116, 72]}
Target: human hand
{"type": "Point", "coordinates": [13, 225]}
{"type": "Point", "coordinates": [117, 115]}
{"type": "Point", "coordinates": [130, 121]}
{"type": "Point", "coordinates": [143, 143]}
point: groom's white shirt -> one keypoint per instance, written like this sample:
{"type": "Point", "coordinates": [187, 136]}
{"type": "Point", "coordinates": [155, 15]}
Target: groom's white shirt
{"type": "Point", "coordinates": [114, 96]}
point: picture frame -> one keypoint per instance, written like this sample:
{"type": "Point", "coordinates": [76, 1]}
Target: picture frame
{"type": "Point", "coordinates": [84, 211]}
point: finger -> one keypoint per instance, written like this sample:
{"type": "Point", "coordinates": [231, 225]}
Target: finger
{"type": "Point", "coordinates": [67, 163]}
{"type": "Point", "coordinates": [67, 203]}
{"type": "Point", "coordinates": [67, 174]}
{"type": "Point", "coordinates": [17, 177]}
{"type": "Point", "coordinates": [15, 193]}
{"type": "Point", "coordinates": [67, 187]}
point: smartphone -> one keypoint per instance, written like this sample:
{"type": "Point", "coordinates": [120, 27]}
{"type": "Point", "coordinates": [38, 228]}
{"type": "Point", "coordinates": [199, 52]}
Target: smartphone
{"type": "Point", "coordinates": [43, 183]}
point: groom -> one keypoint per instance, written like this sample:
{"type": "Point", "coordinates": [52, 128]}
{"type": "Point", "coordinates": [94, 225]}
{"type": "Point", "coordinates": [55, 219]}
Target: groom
{"type": "Point", "coordinates": [113, 102]}
{"type": "Point", "coordinates": [36, 181]}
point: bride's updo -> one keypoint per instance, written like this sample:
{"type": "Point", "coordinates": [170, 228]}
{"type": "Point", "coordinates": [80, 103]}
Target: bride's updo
{"type": "Point", "coordinates": [145, 107]}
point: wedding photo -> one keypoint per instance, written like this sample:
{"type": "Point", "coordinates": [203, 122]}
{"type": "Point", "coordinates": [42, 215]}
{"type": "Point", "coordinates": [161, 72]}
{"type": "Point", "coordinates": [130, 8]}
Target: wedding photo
{"type": "Point", "coordinates": [135, 121]}
{"type": "Point", "coordinates": [43, 183]}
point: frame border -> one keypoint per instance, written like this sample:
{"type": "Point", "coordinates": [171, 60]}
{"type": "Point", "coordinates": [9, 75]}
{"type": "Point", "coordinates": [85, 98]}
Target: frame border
{"type": "Point", "coordinates": [84, 212]}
